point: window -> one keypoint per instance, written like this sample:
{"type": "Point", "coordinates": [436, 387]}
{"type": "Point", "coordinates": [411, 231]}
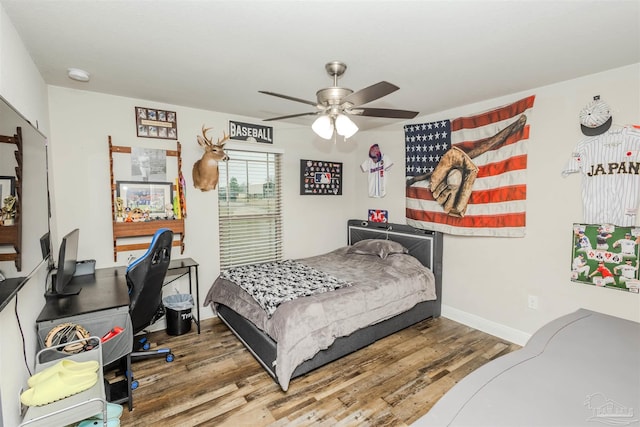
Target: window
{"type": "Point", "coordinates": [250, 214]}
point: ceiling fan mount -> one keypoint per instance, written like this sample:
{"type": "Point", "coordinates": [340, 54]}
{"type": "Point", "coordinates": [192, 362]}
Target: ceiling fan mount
{"type": "Point", "coordinates": [332, 96]}
{"type": "Point", "coordinates": [335, 69]}
{"type": "Point", "coordinates": [335, 100]}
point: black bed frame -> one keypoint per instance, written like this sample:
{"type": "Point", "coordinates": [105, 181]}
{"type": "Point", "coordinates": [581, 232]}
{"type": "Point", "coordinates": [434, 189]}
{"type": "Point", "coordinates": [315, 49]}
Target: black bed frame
{"type": "Point", "coordinates": [425, 245]}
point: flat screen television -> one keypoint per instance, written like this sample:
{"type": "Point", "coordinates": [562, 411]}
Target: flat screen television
{"type": "Point", "coordinates": [45, 246]}
{"type": "Point", "coordinates": [67, 259]}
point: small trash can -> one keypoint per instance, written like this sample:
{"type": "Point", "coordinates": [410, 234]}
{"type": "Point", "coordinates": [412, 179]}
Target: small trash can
{"type": "Point", "coordinates": [178, 307]}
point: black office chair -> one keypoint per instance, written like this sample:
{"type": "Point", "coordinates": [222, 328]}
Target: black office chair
{"type": "Point", "coordinates": [145, 278]}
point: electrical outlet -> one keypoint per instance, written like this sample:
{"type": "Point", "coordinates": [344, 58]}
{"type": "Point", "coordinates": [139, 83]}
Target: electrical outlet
{"type": "Point", "coordinates": [532, 302]}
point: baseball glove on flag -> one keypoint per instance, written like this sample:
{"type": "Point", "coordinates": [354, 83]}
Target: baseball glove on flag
{"type": "Point", "coordinates": [452, 180]}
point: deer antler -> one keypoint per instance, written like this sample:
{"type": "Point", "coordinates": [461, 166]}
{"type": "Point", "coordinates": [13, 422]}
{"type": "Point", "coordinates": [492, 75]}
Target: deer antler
{"type": "Point", "coordinates": [207, 141]}
{"type": "Point", "coordinates": [224, 138]}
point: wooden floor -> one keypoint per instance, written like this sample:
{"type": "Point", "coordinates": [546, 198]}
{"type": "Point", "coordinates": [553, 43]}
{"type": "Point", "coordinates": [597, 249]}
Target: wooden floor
{"type": "Point", "coordinates": [214, 380]}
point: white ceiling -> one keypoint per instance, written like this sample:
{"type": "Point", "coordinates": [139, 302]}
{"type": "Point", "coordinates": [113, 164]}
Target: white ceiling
{"type": "Point", "coordinates": [216, 55]}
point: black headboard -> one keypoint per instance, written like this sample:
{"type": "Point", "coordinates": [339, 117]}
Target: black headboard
{"type": "Point", "coordinates": [425, 245]}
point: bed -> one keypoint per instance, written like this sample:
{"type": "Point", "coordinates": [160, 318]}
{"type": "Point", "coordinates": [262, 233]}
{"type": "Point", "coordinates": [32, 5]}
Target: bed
{"type": "Point", "coordinates": [388, 277]}
{"type": "Point", "coordinates": [582, 369]}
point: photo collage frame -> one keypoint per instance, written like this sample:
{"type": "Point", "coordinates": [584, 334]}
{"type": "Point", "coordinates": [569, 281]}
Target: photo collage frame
{"type": "Point", "coordinates": [155, 123]}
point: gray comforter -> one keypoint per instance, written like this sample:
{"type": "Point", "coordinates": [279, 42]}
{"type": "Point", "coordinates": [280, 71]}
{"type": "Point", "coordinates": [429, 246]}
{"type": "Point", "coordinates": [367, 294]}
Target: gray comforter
{"type": "Point", "coordinates": [582, 369]}
{"type": "Point", "coordinates": [382, 288]}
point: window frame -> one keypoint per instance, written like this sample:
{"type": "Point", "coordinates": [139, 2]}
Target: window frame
{"type": "Point", "coordinates": [245, 237]}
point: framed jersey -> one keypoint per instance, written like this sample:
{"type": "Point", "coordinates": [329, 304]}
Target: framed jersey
{"type": "Point", "coordinates": [606, 255]}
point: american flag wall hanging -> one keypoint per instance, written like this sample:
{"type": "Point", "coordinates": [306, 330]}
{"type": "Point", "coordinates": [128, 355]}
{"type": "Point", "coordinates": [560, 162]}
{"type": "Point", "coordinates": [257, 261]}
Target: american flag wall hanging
{"type": "Point", "coordinates": [467, 176]}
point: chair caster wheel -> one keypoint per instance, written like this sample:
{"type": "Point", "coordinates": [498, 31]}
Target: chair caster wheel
{"type": "Point", "coordinates": [170, 357]}
{"type": "Point", "coordinates": [146, 346]}
{"type": "Point", "coordinates": [134, 385]}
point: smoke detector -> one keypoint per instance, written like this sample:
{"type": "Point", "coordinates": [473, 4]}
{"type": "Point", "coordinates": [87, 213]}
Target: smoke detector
{"type": "Point", "coordinates": [78, 75]}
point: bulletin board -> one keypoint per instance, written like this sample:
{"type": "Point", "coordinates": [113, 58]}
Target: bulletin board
{"type": "Point", "coordinates": [605, 255]}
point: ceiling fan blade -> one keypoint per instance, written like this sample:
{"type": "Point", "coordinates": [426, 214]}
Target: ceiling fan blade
{"type": "Point", "coordinates": [385, 112]}
{"type": "Point", "coordinates": [290, 98]}
{"type": "Point", "coordinates": [370, 93]}
{"type": "Point", "coordinates": [292, 115]}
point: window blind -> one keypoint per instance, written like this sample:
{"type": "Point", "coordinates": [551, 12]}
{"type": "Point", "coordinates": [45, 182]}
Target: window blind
{"type": "Point", "coordinates": [250, 208]}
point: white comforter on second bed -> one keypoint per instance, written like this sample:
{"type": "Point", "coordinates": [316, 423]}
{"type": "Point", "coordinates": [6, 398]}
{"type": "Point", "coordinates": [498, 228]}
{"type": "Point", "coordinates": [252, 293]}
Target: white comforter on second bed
{"type": "Point", "coordinates": [582, 369]}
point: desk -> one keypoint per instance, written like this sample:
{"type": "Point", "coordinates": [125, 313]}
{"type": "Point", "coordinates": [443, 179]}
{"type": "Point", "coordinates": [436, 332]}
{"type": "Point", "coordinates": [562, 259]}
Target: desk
{"type": "Point", "coordinates": [105, 289]}
{"type": "Point", "coordinates": [102, 304]}
{"type": "Point", "coordinates": [9, 288]}
{"type": "Point", "coordinates": [177, 269]}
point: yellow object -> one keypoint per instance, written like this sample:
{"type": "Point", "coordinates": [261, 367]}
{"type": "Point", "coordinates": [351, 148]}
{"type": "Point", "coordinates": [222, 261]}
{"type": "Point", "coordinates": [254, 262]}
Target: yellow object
{"type": "Point", "coordinates": [177, 211]}
{"type": "Point", "coordinates": [67, 366]}
{"type": "Point", "coordinates": [58, 386]}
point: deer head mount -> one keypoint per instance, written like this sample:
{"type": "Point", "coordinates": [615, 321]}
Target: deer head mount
{"type": "Point", "coordinates": [205, 170]}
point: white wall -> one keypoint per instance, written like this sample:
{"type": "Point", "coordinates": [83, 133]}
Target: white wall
{"type": "Point", "coordinates": [81, 122]}
{"type": "Point", "coordinates": [487, 280]}
{"type": "Point", "coordinates": [20, 81]}
{"type": "Point", "coordinates": [21, 85]}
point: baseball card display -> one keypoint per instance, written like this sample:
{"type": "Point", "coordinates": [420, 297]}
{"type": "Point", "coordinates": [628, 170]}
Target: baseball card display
{"type": "Point", "coordinates": [376, 166]}
{"type": "Point", "coordinates": [318, 177]}
{"type": "Point", "coordinates": [606, 256]}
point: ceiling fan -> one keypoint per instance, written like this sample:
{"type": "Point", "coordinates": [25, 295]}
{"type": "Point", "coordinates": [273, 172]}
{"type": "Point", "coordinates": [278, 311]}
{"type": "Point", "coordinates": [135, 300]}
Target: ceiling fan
{"type": "Point", "coordinates": [335, 103]}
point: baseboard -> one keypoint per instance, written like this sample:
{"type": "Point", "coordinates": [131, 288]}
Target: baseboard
{"type": "Point", "coordinates": [496, 329]}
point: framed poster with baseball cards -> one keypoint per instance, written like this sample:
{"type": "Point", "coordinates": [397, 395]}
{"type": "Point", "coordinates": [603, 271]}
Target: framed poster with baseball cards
{"type": "Point", "coordinates": [154, 123]}
{"type": "Point", "coordinates": [606, 256]}
{"type": "Point", "coordinates": [320, 178]}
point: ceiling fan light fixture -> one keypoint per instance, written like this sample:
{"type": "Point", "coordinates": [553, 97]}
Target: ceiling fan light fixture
{"type": "Point", "coordinates": [323, 127]}
{"type": "Point", "coordinates": [345, 126]}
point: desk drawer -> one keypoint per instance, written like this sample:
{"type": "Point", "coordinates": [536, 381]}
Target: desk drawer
{"type": "Point", "coordinates": [98, 323]}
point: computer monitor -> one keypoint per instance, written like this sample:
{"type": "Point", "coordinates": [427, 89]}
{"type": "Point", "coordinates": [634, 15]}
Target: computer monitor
{"type": "Point", "coordinates": [66, 268]}
{"type": "Point", "coordinates": [45, 247]}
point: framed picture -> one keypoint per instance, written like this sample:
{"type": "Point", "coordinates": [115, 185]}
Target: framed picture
{"type": "Point", "coordinates": [152, 197]}
{"type": "Point", "coordinates": [378, 215]}
{"type": "Point", "coordinates": [605, 255]}
{"type": "Point", "coordinates": [7, 187]}
{"type": "Point", "coordinates": [154, 123]}
{"type": "Point", "coordinates": [320, 178]}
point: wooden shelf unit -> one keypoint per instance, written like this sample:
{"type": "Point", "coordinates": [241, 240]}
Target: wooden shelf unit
{"type": "Point", "coordinates": [124, 230]}
{"type": "Point", "coordinates": [11, 235]}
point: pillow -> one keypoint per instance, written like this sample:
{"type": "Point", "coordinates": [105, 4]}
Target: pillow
{"type": "Point", "coordinates": [378, 247]}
